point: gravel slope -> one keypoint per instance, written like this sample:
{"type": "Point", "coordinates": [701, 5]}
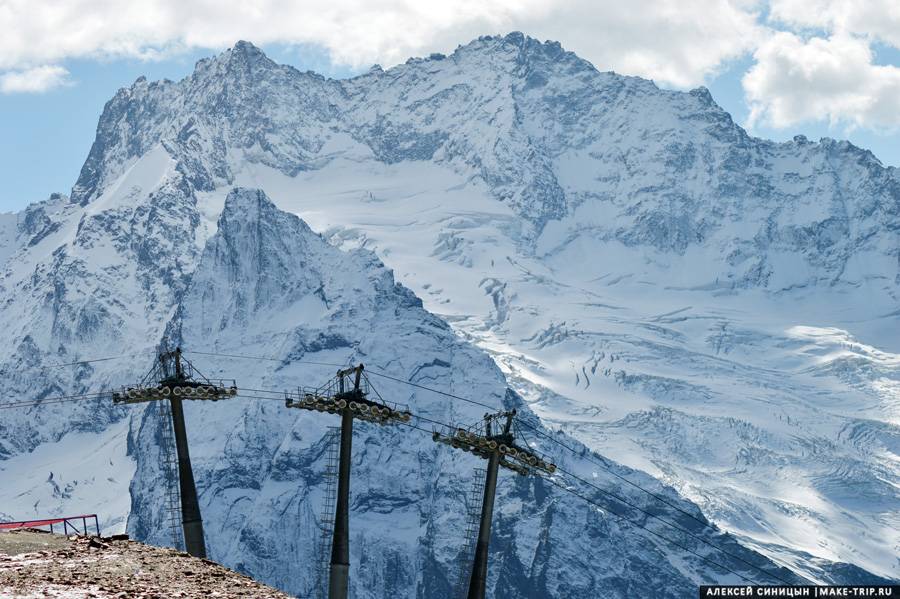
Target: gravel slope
{"type": "Point", "coordinates": [35, 564]}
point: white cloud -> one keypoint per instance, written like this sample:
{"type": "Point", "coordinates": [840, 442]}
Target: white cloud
{"type": "Point", "coordinates": [875, 19]}
{"type": "Point", "coordinates": [834, 79]}
{"type": "Point", "coordinates": [34, 80]}
{"type": "Point", "coordinates": [679, 42]}
{"type": "Point", "coordinates": [675, 42]}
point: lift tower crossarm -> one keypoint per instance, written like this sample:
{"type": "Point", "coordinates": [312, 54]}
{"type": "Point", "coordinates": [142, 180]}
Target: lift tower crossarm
{"type": "Point", "coordinates": [346, 394]}
{"type": "Point", "coordinates": [500, 450]}
{"type": "Point", "coordinates": [174, 378]}
{"type": "Point", "coordinates": [348, 390]}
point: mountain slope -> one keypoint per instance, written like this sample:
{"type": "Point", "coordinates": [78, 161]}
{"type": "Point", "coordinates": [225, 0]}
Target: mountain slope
{"type": "Point", "coordinates": [86, 282]}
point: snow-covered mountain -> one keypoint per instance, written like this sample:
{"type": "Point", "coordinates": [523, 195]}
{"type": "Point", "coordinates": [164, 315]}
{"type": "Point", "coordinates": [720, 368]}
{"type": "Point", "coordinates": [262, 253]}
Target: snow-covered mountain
{"type": "Point", "coordinates": [715, 310]}
{"type": "Point", "coordinates": [266, 284]}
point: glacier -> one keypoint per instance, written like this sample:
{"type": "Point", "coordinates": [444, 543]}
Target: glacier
{"type": "Point", "coordinates": [715, 312]}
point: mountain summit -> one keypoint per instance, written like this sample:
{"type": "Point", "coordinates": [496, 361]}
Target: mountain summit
{"type": "Point", "coordinates": [672, 168]}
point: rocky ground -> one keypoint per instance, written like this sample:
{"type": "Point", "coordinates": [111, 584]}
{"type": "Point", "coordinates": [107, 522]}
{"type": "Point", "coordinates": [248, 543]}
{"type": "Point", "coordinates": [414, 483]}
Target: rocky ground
{"type": "Point", "coordinates": [37, 564]}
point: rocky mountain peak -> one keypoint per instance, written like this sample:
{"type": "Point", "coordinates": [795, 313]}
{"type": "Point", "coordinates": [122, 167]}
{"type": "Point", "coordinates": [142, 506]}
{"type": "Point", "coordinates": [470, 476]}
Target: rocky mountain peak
{"type": "Point", "coordinates": [244, 205]}
{"type": "Point", "coordinates": [508, 112]}
{"type": "Point", "coordinates": [243, 60]}
{"type": "Point", "coordinates": [245, 50]}
{"type": "Point", "coordinates": [256, 240]}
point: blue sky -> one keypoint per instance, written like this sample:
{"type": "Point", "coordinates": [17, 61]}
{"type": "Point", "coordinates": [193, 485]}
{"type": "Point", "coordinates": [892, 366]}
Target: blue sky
{"type": "Point", "coordinates": [727, 91]}
{"type": "Point", "coordinates": [821, 68]}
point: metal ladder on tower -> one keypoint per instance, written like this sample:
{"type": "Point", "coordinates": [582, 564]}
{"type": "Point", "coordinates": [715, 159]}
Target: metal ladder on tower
{"type": "Point", "coordinates": [326, 520]}
{"type": "Point", "coordinates": [473, 518]}
{"type": "Point", "coordinates": [169, 468]}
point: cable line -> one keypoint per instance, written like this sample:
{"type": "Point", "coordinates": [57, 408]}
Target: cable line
{"type": "Point", "coordinates": [629, 521]}
{"type": "Point", "coordinates": [279, 395]}
{"type": "Point", "coordinates": [618, 498]}
{"type": "Point", "coordinates": [654, 533]}
{"type": "Point", "coordinates": [262, 358]}
{"type": "Point", "coordinates": [651, 493]}
{"type": "Point", "coordinates": [131, 355]}
{"type": "Point", "coordinates": [550, 438]}
{"type": "Point", "coordinates": [616, 474]}
{"type": "Point", "coordinates": [561, 444]}
{"type": "Point", "coordinates": [654, 516]}
{"type": "Point", "coordinates": [675, 526]}
{"type": "Point", "coordinates": [368, 371]}
{"type": "Point", "coordinates": [83, 362]}
{"type": "Point", "coordinates": [575, 452]}
{"type": "Point", "coordinates": [50, 400]}
{"type": "Point", "coordinates": [418, 428]}
{"type": "Point", "coordinates": [418, 386]}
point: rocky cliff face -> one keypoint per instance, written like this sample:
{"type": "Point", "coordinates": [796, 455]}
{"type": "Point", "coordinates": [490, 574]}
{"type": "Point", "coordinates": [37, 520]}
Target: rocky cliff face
{"type": "Point", "coordinates": [709, 308]}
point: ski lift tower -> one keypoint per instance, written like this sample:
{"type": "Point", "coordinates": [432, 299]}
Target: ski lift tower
{"type": "Point", "coordinates": [175, 379]}
{"type": "Point", "coordinates": [346, 394]}
{"type": "Point", "coordinates": [496, 444]}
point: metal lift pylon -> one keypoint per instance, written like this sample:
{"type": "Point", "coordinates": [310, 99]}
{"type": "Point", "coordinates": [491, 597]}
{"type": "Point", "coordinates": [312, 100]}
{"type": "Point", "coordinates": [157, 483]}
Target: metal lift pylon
{"type": "Point", "coordinates": [169, 463]}
{"type": "Point", "coordinates": [500, 450]}
{"type": "Point", "coordinates": [473, 520]}
{"type": "Point", "coordinates": [339, 574]}
{"type": "Point", "coordinates": [346, 394]}
{"type": "Point", "coordinates": [175, 379]}
{"type": "Point", "coordinates": [326, 518]}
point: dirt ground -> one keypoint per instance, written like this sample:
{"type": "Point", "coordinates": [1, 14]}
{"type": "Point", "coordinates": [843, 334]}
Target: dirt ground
{"type": "Point", "coordinates": [38, 565]}
{"type": "Point", "coordinates": [26, 541]}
